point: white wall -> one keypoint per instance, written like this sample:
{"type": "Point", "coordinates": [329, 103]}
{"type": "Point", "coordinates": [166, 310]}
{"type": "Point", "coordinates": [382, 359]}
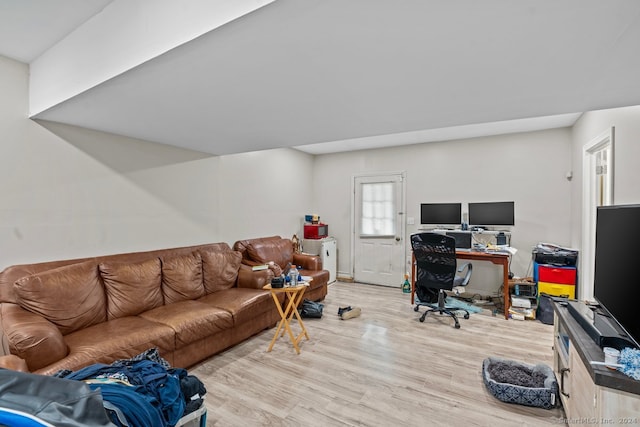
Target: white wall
{"type": "Point", "coordinates": [529, 168]}
{"type": "Point", "coordinates": [68, 192]}
{"type": "Point", "coordinates": [264, 193]}
{"type": "Point", "coordinates": [626, 158]}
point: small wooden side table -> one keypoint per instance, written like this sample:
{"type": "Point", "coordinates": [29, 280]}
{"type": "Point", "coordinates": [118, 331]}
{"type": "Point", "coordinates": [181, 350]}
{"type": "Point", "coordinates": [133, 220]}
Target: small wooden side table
{"type": "Point", "coordinates": [294, 297]}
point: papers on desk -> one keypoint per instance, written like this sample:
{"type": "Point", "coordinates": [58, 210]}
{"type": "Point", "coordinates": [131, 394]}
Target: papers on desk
{"type": "Point", "coordinates": [550, 247]}
{"type": "Point", "coordinates": [501, 249]}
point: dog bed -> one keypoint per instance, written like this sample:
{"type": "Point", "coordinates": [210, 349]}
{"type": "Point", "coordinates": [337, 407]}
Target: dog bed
{"type": "Point", "coordinates": [516, 382]}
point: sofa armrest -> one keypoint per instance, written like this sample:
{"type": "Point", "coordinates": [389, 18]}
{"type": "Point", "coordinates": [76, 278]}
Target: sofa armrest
{"type": "Point", "coordinates": [14, 363]}
{"type": "Point", "coordinates": [31, 337]}
{"type": "Point", "coordinates": [247, 278]}
{"type": "Point", "coordinates": [307, 261]}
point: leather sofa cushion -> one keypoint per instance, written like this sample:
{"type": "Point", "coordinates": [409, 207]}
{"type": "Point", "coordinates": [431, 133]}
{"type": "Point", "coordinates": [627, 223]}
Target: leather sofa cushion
{"type": "Point", "coordinates": [131, 287]}
{"type": "Point", "coordinates": [220, 269]}
{"type": "Point", "coordinates": [120, 338]}
{"type": "Point", "coordinates": [191, 320]}
{"type": "Point", "coordinates": [278, 251]}
{"type": "Point", "coordinates": [70, 297]}
{"type": "Point", "coordinates": [182, 278]}
{"type": "Point", "coordinates": [243, 303]}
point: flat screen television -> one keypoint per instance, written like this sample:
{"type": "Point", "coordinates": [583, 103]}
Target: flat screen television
{"type": "Point", "coordinates": [441, 213]}
{"type": "Point", "coordinates": [492, 214]}
{"type": "Point", "coordinates": [616, 279]}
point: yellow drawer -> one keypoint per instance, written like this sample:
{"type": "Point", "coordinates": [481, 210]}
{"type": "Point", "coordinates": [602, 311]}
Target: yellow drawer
{"type": "Point", "coordinates": [557, 289]}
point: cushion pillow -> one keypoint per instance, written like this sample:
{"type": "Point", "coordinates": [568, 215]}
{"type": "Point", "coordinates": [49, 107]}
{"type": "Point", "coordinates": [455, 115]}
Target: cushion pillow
{"type": "Point", "coordinates": [182, 278]}
{"type": "Point", "coordinates": [132, 288]}
{"type": "Point", "coordinates": [220, 269]}
{"type": "Point", "coordinates": [278, 251]}
{"type": "Point", "coordinates": [71, 297]}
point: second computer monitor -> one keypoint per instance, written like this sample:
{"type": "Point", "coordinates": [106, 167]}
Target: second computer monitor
{"type": "Point", "coordinates": [492, 214]}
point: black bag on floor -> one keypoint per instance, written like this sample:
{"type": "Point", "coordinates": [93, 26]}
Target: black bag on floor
{"type": "Point", "coordinates": [545, 309]}
{"type": "Point", "coordinates": [311, 309]}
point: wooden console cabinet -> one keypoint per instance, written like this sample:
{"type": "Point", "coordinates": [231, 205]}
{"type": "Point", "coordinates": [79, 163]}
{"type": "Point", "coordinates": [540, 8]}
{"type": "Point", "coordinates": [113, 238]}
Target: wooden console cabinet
{"type": "Point", "coordinates": [589, 393]}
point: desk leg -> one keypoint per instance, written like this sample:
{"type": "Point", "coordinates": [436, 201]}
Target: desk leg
{"type": "Point", "coordinates": [291, 308]}
{"type": "Point", "coordinates": [280, 323]}
{"type": "Point", "coordinates": [286, 315]}
{"type": "Point", "coordinates": [295, 312]}
{"type": "Point", "coordinates": [505, 287]}
{"type": "Point", "coordinates": [413, 277]}
{"type": "Point", "coordinates": [296, 299]}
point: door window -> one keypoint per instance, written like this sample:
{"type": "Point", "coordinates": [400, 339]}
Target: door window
{"type": "Point", "coordinates": [378, 216]}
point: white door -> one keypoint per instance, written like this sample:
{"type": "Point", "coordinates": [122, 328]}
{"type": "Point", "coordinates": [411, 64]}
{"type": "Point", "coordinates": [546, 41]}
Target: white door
{"type": "Point", "coordinates": [597, 190]}
{"type": "Point", "coordinates": [378, 229]}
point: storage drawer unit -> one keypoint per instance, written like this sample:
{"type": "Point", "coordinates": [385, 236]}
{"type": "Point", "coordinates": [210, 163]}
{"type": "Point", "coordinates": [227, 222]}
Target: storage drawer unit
{"type": "Point", "coordinates": [554, 274]}
{"type": "Point", "coordinates": [560, 281]}
{"type": "Point", "coordinates": [557, 289]}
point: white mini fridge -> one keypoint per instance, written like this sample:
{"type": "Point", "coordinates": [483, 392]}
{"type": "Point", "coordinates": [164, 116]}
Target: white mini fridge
{"type": "Point", "coordinates": [327, 250]}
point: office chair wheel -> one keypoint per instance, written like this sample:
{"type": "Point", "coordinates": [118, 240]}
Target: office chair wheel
{"type": "Point", "coordinates": [457, 325]}
{"type": "Point", "coordinates": [423, 316]}
{"type": "Point", "coordinates": [416, 308]}
{"type": "Point", "coordinates": [466, 315]}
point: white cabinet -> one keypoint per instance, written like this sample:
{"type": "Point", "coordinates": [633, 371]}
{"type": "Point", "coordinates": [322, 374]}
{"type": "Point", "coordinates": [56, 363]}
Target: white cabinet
{"type": "Point", "coordinates": [327, 250]}
{"type": "Point", "coordinates": [587, 392]}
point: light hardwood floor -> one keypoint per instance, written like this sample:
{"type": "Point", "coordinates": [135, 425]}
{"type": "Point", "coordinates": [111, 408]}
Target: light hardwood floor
{"type": "Point", "coordinates": [384, 368]}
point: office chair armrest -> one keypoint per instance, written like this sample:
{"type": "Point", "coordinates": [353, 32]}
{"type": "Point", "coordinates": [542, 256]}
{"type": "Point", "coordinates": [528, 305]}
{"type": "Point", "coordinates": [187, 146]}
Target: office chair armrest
{"type": "Point", "coordinates": [467, 276]}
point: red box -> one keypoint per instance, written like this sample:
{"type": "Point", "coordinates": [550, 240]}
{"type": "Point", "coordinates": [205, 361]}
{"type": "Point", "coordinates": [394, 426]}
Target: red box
{"type": "Point", "coordinates": [316, 231]}
{"type": "Point", "coordinates": [559, 275]}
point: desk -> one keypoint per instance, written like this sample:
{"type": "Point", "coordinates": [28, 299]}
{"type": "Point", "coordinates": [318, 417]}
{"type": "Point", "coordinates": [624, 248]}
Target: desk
{"type": "Point", "coordinates": [495, 258]}
{"type": "Point", "coordinates": [294, 297]}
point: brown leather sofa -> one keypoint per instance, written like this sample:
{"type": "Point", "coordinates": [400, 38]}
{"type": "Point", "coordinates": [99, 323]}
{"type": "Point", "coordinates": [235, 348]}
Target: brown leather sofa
{"type": "Point", "coordinates": [263, 250]}
{"type": "Point", "coordinates": [189, 302]}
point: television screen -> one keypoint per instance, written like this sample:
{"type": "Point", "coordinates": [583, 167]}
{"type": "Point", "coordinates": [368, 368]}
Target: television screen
{"type": "Point", "coordinates": [615, 283]}
{"type": "Point", "coordinates": [492, 213]}
{"type": "Point", "coordinates": [441, 213]}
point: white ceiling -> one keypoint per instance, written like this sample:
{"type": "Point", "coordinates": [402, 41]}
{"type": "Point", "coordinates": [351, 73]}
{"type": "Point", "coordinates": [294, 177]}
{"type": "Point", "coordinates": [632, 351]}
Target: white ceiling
{"type": "Point", "coordinates": [334, 75]}
{"type": "Point", "coordinates": [29, 27]}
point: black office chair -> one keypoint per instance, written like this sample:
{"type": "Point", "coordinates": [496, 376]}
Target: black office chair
{"type": "Point", "coordinates": [435, 257]}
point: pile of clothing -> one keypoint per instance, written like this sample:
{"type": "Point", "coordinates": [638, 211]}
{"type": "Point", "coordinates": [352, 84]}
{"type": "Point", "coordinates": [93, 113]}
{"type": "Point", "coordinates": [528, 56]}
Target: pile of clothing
{"type": "Point", "coordinates": [144, 390]}
{"type": "Point", "coordinates": [141, 391]}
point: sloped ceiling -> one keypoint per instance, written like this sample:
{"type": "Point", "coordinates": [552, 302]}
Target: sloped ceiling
{"type": "Point", "coordinates": [334, 75]}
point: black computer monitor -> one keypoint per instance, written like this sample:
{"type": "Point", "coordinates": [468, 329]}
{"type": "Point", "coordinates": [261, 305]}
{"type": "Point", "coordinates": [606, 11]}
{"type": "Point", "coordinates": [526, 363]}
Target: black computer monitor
{"type": "Point", "coordinates": [492, 214]}
{"type": "Point", "coordinates": [441, 213]}
{"type": "Point", "coordinates": [463, 239]}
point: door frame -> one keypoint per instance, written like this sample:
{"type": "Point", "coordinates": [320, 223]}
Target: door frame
{"type": "Point", "coordinates": [589, 206]}
{"type": "Point", "coordinates": [403, 207]}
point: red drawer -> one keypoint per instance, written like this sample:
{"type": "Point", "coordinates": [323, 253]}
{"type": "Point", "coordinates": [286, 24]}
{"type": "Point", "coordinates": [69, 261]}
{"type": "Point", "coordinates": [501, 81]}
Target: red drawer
{"type": "Point", "coordinates": [560, 275]}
